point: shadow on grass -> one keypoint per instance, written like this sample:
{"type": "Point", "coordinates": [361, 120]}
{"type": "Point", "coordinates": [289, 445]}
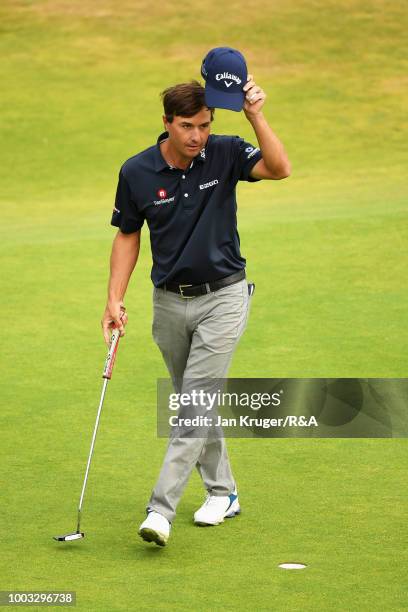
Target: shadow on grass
{"type": "Point", "coordinates": [69, 548]}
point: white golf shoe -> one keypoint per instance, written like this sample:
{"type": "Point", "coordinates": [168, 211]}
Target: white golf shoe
{"type": "Point", "coordinates": [156, 528]}
{"type": "Point", "coordinates": [215, 509]}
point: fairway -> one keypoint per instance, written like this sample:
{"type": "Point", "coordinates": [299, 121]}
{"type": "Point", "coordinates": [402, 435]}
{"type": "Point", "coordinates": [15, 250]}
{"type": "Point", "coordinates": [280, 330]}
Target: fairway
{"type": "Point", "coordinates": [326, 247]}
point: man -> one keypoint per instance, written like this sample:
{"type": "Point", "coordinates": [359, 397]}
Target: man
{"type": "Point", "coordinates": [184, 187]}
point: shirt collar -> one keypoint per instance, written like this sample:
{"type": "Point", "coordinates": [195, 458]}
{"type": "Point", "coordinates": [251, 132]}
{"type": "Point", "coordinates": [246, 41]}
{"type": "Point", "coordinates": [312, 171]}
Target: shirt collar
{"type": "Point", "coordinates": [159, 161]}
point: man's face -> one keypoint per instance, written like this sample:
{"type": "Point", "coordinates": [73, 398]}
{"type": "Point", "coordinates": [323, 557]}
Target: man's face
{"type": "Point", "coordinates": [188, 135]}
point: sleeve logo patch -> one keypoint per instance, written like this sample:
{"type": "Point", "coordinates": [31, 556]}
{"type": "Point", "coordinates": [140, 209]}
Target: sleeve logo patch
{"type": "Point", "coordinates": [252, 151]}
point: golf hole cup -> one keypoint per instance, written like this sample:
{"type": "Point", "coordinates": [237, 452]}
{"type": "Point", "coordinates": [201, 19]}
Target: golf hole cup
{"type": "Point", "coordinates": [292, 566]}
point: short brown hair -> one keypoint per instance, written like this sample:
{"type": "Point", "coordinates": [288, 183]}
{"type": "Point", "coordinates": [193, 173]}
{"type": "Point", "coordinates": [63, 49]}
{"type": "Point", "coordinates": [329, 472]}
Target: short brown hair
{"type": "Point", "coordinates": [185, 100]}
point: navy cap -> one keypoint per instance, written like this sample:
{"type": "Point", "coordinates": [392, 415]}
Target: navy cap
{"type": "Point", "coordinates": [225, 73]}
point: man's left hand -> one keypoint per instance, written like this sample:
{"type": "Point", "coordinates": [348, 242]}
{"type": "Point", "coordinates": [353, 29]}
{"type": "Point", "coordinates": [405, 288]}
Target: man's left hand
{"type": "Point", "coordinates": [254, 98]}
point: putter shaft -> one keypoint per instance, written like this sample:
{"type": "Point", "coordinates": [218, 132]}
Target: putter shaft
{"type": "Point", "coordinates": [107, 373]}
{"type": "Point", "coordinates": [105, 384]}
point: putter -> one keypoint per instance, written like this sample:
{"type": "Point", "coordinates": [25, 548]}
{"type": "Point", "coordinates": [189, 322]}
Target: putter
{"type": "Point", "coordinates": [107, 374]}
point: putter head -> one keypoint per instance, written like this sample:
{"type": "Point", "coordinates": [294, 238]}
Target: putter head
{"type": "Point", "coordinates": [78, 535]}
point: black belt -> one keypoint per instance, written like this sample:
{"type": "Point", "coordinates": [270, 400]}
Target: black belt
{"type": "Point", "coordinates": [189, 291]}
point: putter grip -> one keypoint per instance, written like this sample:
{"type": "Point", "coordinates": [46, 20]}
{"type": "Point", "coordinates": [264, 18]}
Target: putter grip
{"type": "Point", "coordinates": [110, 359]}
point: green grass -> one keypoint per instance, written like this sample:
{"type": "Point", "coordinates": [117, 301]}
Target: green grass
{"type": "Point", "coordinates": [326, 248]}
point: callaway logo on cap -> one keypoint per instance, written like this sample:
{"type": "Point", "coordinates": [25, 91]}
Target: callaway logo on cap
{"type": "Point", "coordinates": [225, 73]}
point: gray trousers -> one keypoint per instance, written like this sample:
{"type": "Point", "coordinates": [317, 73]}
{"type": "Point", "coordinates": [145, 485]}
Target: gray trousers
{"type": "Point", "coordinates": [197, 338]}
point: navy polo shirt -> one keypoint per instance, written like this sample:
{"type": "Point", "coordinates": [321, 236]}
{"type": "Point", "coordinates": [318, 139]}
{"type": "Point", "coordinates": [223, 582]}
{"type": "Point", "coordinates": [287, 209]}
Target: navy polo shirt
{"type": "Point", "coordinates": [191, 213]}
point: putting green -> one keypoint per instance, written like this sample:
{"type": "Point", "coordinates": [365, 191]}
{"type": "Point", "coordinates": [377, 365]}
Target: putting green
{"type": "Point", "coordinates": [326, 248]}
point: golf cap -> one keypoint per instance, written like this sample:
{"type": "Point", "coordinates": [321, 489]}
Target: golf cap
{"type": "Point", "coordinates": [225, 73]}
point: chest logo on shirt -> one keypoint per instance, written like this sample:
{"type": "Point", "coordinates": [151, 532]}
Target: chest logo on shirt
{"type": "Point", "coordinates": [210, 184]}
{"type": "Point", "coordinates": [162, 193]}
{"type": "Point", "coordinates": [164, 200]}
